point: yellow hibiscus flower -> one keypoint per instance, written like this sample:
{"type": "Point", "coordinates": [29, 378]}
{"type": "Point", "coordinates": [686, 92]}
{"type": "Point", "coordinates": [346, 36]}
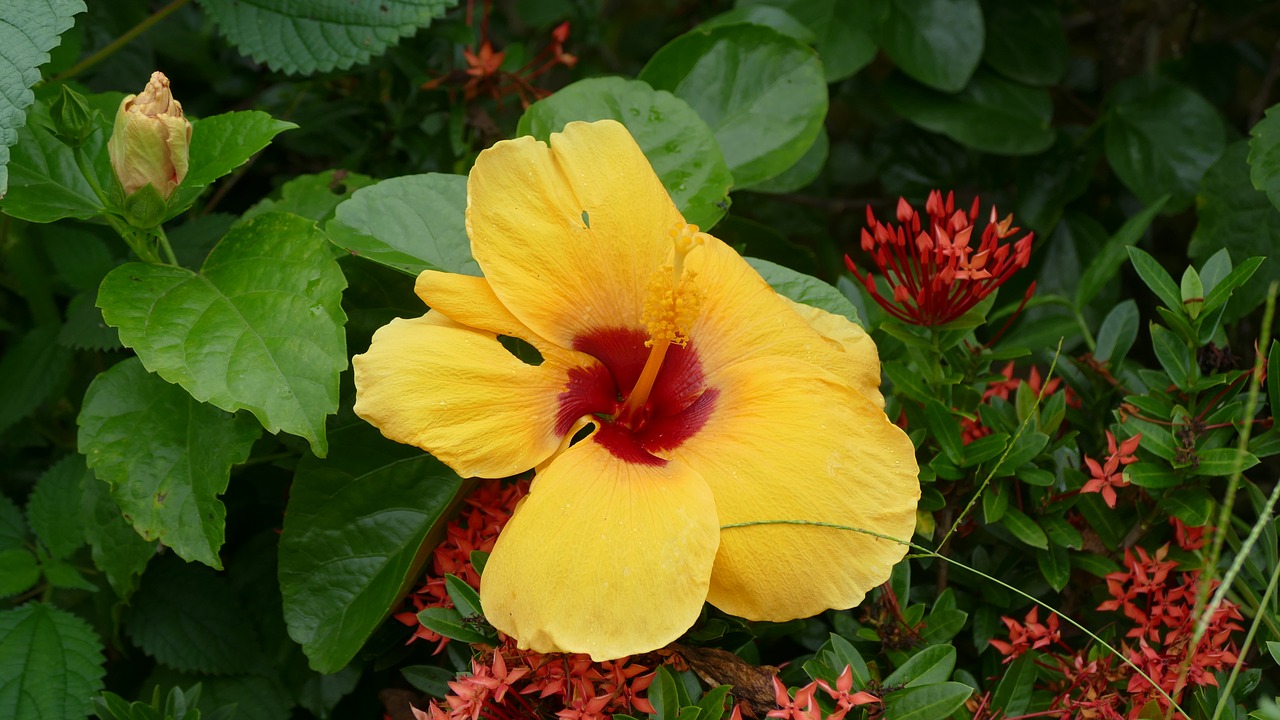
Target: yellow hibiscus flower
{"type": "Point", "coordinates": [709, 400]}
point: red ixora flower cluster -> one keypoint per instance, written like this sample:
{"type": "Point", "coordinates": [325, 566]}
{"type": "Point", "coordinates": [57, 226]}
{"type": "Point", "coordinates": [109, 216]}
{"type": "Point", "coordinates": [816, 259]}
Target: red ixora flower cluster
{"type": "Point", "coordinates": [1159, 602]}
{"type": "Point", "coordinates": [972, 428]}
{"type": "Point", "coordinates": [934, 273]}
{"type": "Point", "coordinates": [804, 706]}
{"type": "Point", "coordinates": [1107, 476]}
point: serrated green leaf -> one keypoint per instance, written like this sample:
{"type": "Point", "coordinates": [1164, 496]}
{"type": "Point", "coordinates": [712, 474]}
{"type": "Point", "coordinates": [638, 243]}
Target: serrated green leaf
{"type": "Point", "coordinates": [1156, 278]}
{"type": "Point", "coordinates": [840, 29]}
{"type": "Point", "coordinates": [938, 42]}
{"type": "Point", "coordinates": [926, 702]}
{"type": "Point", "coordinates": [1264, 155]}
{"type": "Point", "coordinates": [763, 94]}
{"type": "Point", "coordinates": [29, 29]}
{"type": "Point", "coordinates": [19, 571]}
{"type": "Point", "coordinates": [233, 697]}
{"type": "Point", "coordinates": [166, 456]}
{"type": "Point", "coordinates": [51, 662]}
{"type": "Point", "coordinates": [13, 529]}
{"type": "Point", "coordinates": [352, 538]}
{"type": "Point", "coordinates": [314, 197]}
{"type": "Point", "coordinates": [188, 617]}
{"type": "Point", "coordinates": [258, 329]}
{"type": "Point", "coordinates": [1118, 331]}
{"type": "Point", "coordinates": [990, 114]}
{"type": "Point", "coordinates": [1161, 137]}
{"type": "Point", "coordinates": [1232, 215]}
{"type": "Point", "coordinates": [410, 223]}
{"type": "Point", "coordinates": [320, 35]}
{"type": "Point", "coordinates": [805, 289]}
{"type": "Point", "coordinates": [62, 574]}
{"type": "Point", "coordinates": [678, 143]}
{"type": "Point", "coordinates": [118, 550]}
{"type": "Point", "coordinates": [85, 329]}
{"type": "Point", "coordinates": [1107, 262]}
{"type": "Point", "coordinates": [930, 665]}
{"type": "Point", "coordinates": [53, 510]}
{"type": "Point", "coordinates": [29, 371]}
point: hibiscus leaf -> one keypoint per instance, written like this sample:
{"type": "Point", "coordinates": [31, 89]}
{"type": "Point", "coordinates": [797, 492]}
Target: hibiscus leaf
{"type": "Point", "coordinates": [839, 28]}
{"type": "Point", "coordinates": [259, 328]}
{"type": "Point", "coordinates": [938, 42]}
{"type": "Point", "coordinates": [679, 144]}
{"type": "Point", "coordinates": [805, 289]}
{"type": "Point", "coordinates": [991, 113]}
{"type": "Point", "coordinates": [166, 456]}
{"type": "Point", "coordinates": [52, 663]}
{"type": "Point", "coordinates": [411, 223]}
{"type": "Point", "coordinates": [118, 550]}
{"type": "Point", "coordinates": [763, 94]}
{"type": "Point", "coordinates": [354, 538]}
{"type": "Point", "coordinates": [220, 144]}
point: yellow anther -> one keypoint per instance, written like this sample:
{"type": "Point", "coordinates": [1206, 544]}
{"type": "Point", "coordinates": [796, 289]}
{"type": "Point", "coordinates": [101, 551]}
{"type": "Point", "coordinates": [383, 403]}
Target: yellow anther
{"type": "Point", "coordinates": [669, 312]}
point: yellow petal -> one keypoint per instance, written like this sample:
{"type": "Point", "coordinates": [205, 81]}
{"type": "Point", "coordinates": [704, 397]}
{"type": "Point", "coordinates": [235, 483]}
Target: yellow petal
{"type": "Point", "coordinates": [789, 441]}
{"type": "Point", "coordinates": [604, 557]}
{"type": "Point", "coordinates": [469, 300]}
{"type": "Point", "coordinates": [459, 394]}
{"type": "Point", "coordinates": [568, 236]}
{"type": "Point", "coordinates": [856, 360]}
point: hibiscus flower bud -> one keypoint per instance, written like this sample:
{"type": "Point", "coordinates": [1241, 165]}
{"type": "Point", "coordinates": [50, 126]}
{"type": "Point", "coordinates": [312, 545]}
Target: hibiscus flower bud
{"type": "Point", "coordinates": [72, 117]}
{"type": "Point", "coordinates": [150, 141]}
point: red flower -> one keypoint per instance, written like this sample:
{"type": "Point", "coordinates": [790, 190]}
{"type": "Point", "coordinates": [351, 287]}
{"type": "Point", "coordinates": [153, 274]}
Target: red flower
{"type": "Point", "coordinates": [935, 275]}
{"type": "Point", "coordinates": [1107, 477]}
{"type": "Point", "coordinates": [1032, 635]}
{"type": "Point", "coordinates": [840, 693]}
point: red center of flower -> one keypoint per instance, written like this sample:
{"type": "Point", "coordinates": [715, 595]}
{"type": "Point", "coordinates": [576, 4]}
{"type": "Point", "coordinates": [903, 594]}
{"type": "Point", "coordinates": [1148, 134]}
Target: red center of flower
{"type": "Point", "coordinates": [676, 407]}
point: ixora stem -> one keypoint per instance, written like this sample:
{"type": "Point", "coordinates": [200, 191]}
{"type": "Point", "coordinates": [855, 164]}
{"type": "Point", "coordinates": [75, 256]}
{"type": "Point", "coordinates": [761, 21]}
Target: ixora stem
{"type": "Point", "coordinates": [926, 552]}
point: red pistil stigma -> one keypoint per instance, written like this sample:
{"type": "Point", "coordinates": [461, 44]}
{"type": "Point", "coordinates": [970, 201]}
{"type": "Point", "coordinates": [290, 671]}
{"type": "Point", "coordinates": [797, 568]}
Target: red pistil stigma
{"type": "Point", "coordinates": [939, 275]}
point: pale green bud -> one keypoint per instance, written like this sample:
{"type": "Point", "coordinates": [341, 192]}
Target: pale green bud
{"type": "Point", "coordinates": [150, 141]}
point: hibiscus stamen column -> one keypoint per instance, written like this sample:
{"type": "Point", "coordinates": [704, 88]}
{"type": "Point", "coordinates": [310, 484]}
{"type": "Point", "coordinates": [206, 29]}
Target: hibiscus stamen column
{"type": "Point", "coordinates": [669, 309]}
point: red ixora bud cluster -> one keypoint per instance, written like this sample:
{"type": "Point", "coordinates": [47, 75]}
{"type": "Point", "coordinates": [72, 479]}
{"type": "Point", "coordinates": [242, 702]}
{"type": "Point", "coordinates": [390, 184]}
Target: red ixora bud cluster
{"type": "Point", "coordinates": [933, 271]}
{"type": "Point", "coordinates": [1159, 603]}
{"type": "Point", "coordinates": [1106, 476]}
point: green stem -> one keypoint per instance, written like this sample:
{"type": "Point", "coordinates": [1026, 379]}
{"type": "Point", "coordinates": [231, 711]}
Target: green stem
{"type": "Point", "coordinates": [1225, 695]}
{"type": "Point", "coordinates": [119, 42]}
{"type": "Point", "coordinates": [931, 553]}
{"type": "Point", "coordinates": [164, 245]}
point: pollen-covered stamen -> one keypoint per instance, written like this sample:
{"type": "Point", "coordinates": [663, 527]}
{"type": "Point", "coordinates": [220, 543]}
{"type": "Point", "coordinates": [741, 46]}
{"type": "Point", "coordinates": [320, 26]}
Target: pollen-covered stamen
{"type": "Point", "coordinates": [670, 308]}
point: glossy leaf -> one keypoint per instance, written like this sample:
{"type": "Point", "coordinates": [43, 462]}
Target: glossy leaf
{"type": "Point", "coordinates": [1107, 262]}
{"type": "Point", "coordinates": [1156, 278]}
{"type": "Point", "coordinates": [840, 29]}
{"type": "Point", "coordinates": [938, 42]}
{"type": "Point", "coordinates": [1161, 137]}
{"type": "Point", "coordinates": [1055, 565]}
{"type": "Point", "coordinates": [220, 144]}
{"type": "Point", "coordinates": [28, 31]}
{"type": "Point", "coordinates": [1118, 331]}
{"type": "Point", "coordinates": [259, 328]}
{"type": "Point", "coordinates": [683, 149]}
{"type": "Point", "coordinates": [762, 93]}
{"type": "Point", "coordinates": [926, 702]}
{"type": "Point", "coordinates": [805, 289]}
{"type": "Point", "coordinates": [1221, 291]}
{"type": "Point", "coordinates": [1013, 694]}
{"type": "Point", "coordinates": [1192, 506]}
{"type": "Point", "coordinates": [1223, 462]}
{"type": "Point", "coordinates": [945, 429]}
{"type": "Point", "coordinates": [931, 665]}
{"type": "Point", "coordinates": [991, 113]}
{"type": "Point", "coordinates": [51, 662]}
{"type": "Point", "coordinates": [770, 15]}
{"type": "Point", "coordinates": [411, 223]}
{"type": "Point", "coordinates": [807, 169]}
{"type": "Point", "coordinates": [320, 35]}
{"type": "Point", "coordinates": [1025, 42]}
{"type": "Point", "coordinates": [1025, 529]}
{"type": "Point", "coordinates": [1174, 356]}
{"type": "Point", "coordinates": [315, 196]}
{"type": "Point", "coordinates": [166, 456]}
{"type": "Point", "coordinates": [353, 538]}
{"type": "Point", "coordinates": [1264, 155]}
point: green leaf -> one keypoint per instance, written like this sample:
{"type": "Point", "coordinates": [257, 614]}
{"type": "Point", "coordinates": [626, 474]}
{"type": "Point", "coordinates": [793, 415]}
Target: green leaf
{"type": "Point", "coordinates": [430, 679]}
{"type": "Point", "coordinates": [926, 702]}
{"type": "Point", "coordinates": [1116, 336]}
{"type": "Point", "coordinates": [1013, 694]}
{"type": "Point", "coordinates": [680, 145]}
{"type": "Point", "coordinates": [464, 597]}
{"type": "Point", "coordinates": [258, 329]}
{"type": "Point", "coordinates": [1264, 155]}
{"type": "Point", "coordinates": [1273, 377]}
{"type": "Point", "coordinates": [769, 15]}
{"type": "Point", "coordinates": [1192, 506]}
{"type": "Point", "coordinates": [1055, 565]}
{"type": "Point", "coordinates": [804, 172]}
{"type": "Point", "coordinates": [763, 94]}
{"type": "Point", "coordinates": [220, 144]}
{"type": "Point", "coordinates": [995, 501]}
{"type": "Point", "coordinates": [944, 428]}
{"type": "Point", "coordinates": [449, 623]}
{"type": "Point", "coordinates": [1107, 262]}
{"type": "Point", "coordinates": [1232, 215]}
{"type": "Point", "coordinates": [938, 42]}
{"type": "Point", "coordinates": [118, 550]}
{"type": "Point", "coordinates": [85, 329]}
{"type": "Point", "coordinates": [19, 571]}
{"type": "Point", "coordinates": [1161, 137]}
{"type": "Point", "coordinates": [355, 535]}
{"type": "Point", "coordinates": [53, 510]}
{"type": "Point", "coordinates": [13, 529]}
{"type": "Point", "coordinates": [28, 31]}
{"type": "Point", "coordinates": [990, 114]}
{"type": "Point", "coordinates": [840, 29]}
{"type": "Point", "coordinates": [1273, 647]}
{"type": "Point", "coordinates": [51, 662]}
{"type": "Point", "coordinates": [664, 695]}
{"type": "Point", "coordinates": [166, 456]}
{"type": "Point", "coordinates": [45, 184]}
{"type": "Point", "coordinates": [314, 197]}
{"type": "Point", "coordinates": [984, 448]}
{"type": "Point", "coordinates": [1024, 528]}
{"type": "Point", "coordinates": [1152, 475]}
{"type": "Point", "coordinates": [805, 289]}
{"type": "Point", "coordinates": [188, 617]}
{"type": "Point", "coordinates": [1025, 448]}
{"type": "Point", "coordinates": [930, 665]}
{"type": "Point", "coordinates": [1061, 532]}
{"type": "Point", "coordinates": [712, 703]}
{"type": "Point", "coordinates": [1174, 356]}
{"type": "Point", "coordinates": [1025, 42]}
{"type": "Point", "coordinates": [29, 371]}
{"type": "Point", "coordinates": [1224, 462]}
{"type": "Point", "coordinates": [62, 574]}
{"type": "Point", "coordinates": [1221, 291]}
{"type": "Point", "coordinates": [320, 35]}
{"type": "Point", "coordinates": [410, 223]}
{"type": "Point", "coordinates": [1154, 275]}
